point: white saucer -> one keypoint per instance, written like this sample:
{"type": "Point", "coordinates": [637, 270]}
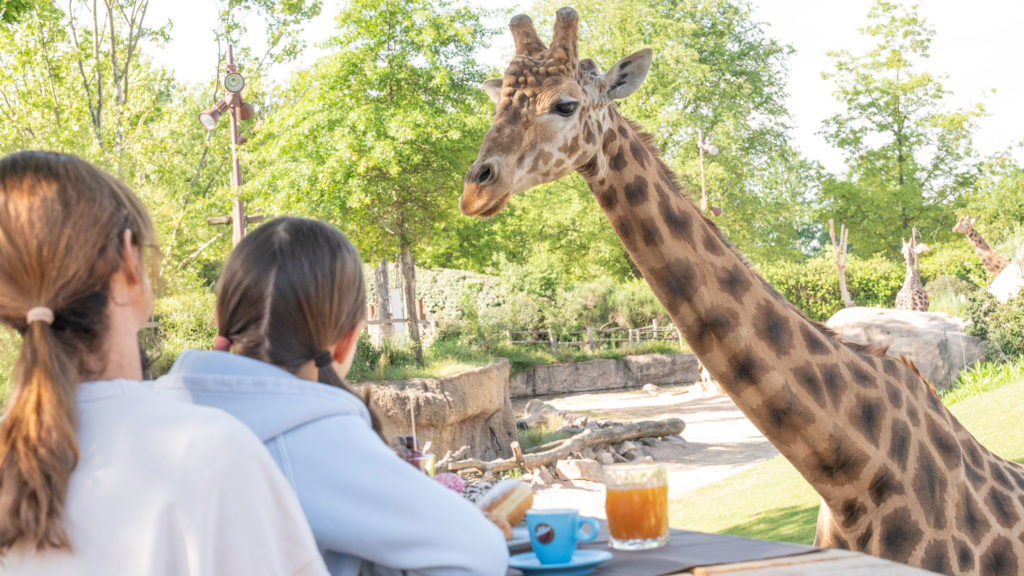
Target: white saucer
{"type": "Point", "coordinates": [583, 562]}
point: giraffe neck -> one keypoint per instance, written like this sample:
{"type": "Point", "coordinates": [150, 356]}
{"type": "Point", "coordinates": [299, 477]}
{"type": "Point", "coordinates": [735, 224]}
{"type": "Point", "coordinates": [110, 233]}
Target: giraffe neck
{"type": "Point", "coordinates": [842, 417]}
{"type": "Point", "coordinates": [992, 261]}
{"type": "Point", "coordinates": [913, 277]}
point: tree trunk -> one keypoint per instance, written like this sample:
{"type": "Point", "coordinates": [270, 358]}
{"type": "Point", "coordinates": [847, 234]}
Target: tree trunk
{"type": "Point", "coordinates": [380, 285]}
{"type": "Point", "coordinates": [412, 323]}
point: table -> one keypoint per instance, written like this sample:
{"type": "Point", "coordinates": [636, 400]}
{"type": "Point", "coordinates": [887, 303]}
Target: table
{"type": "Point", "coordinates": [699, 554]}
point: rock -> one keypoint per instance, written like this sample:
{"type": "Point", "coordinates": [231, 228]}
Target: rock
{"type": "Point", "coordinates": [1008, 283]}
{"type": "Point", "coordinates": [468, 409]}
{"type": "Point", "coordinates": [636, 454]}
{"type": "Point", "coordinates": [674, 439]}
{"type": "Point", "coordinates": [604, 374]}
{"type": "Point", "coordinates": [606, 458]}
{"type": "Point", "coordinates": [648, 441]}
{"type": "Point", "coordinates": [540, 413]}
{"type": "Point", "coordinates": [580, 470]}
{"type": "Point", "coordinates": [651, 389]}
{"type": "Point", "coordinates": [588, 453]}
{"type": "Point", "coordinates": [542, 476]}
{"type": "Point", "coordinates": [626, 447]}
{"type": "Point", "coordinates": [935, 342]}
{"type": "Point", "coordinates": [618, 457]}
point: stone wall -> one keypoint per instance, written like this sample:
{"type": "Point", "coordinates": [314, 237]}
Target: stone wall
{"type": "Point", "coordinates": [467, 409]}
{"type": "Point", "coordinates": [605, 374]}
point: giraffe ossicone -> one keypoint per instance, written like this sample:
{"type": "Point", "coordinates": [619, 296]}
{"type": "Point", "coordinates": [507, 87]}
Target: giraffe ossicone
{"type": "Point", "coordinates": [901, 477]}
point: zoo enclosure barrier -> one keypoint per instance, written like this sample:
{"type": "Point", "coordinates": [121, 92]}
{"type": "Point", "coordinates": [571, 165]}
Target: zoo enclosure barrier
{"type": "Point", "coordinates": [591, 337]}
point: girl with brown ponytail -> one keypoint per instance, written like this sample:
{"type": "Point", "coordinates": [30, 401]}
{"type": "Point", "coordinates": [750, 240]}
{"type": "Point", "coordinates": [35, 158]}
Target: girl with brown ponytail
{"type": "Point", "coordinates": [98, 475]}
{"type": "Point", "coordinates": [291, 303]}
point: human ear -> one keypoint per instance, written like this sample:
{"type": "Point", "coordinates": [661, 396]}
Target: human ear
{"type": "Point", "coordinates": [344, 349]}
{"type": "Point", "coordinates": [131, 264]}
{"type": "Point", "coordinates": [628, 74]}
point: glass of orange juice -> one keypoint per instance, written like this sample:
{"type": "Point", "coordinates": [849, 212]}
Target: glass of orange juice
{"type": "Point", "coordinates": [636, 502]}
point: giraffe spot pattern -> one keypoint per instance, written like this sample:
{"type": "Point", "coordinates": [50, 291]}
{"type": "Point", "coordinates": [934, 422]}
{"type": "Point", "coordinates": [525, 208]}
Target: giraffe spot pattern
{"type": "Point", "coordinates": [930, 485]}
{"type": "Point", "coordinates": [861, 377]}
{"type": "Point", "coordinates": [936, 557]}
{"type": "Point", "coordinates": [913, 416]}
{"type": "Point", "coordinates": [866, 417]}
{"type": "Point", "coordinates": [851, 511]}
{"type": "Point", "coordinates": [838, 538]}
{"type": "Point", "coordinates": [588, 133]}
{"type": "Point", "coordinates": [899, 536]}
{"type": "Point", "coordinates": [715, 324]}
{"type": "Point", "coordinates": [624, 230]}
{"type": "Point", "coordinates": [680, 278]}
{"type": "Point", "coordinates": [813, 341]}
{"type": "Point", "coordinates": [997, 474]}
{"type": "Point", "coordinates": [775, 327]}
{"type": "Point", "coordinates": [785, 413]}
{"type": "Point", "coordinates": [735, 282]}
{"type": "Point", "coordinates": [865, 537]}
{"type": "Point", "coordinates": [1018, 475]}
{"type": "Point", "coordinates": [999, 559]}
{"type": "Point", "coordinates": [639, 152]}
{"type": "Point", "coordinates": [884, 485]}
{"type": "Point", "coordinates": [970, 520]}
{"type": "Point", "coordinates": [895, 396]}
{"type": "Point", "coordinates": [607, 198]}
{"type": "Point", "coordinates": [570, 148]}
{"type": "Point", "coordinates": [712, 244]}
{"type": "Point", "coordinates": [964, 555]}
{"type": "Point", "coordinates": [807, 378]}
{"type": "Point", "coordinates": [608, 140]}
{"type": "Point", "coordinates": [842, 464]}
{"type": "Point", "coordinates": [833, 380]}
{"type": "Point", "coordinates": [745, 368]}
{"type": "Point", "coordinates": [1002, 507]}
{"type": "Point", "coordinates": [650, 232]}
{"type": "Point", "coordinates": [678, 221]}
{"type": "Point", "coordinates": [944, 444]}
{"type": "Point", "coordinates": [892, 368]}
{"type": "Point", "coordinates": [636, 191]}
{"type": "Point", "coordinates": [899, 444]}
{"type": "Point", "coordinates": [624, 132]}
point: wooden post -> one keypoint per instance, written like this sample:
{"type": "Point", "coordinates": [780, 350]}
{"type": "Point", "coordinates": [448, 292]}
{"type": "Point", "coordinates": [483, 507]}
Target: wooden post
{"type": "Point", "coordinates": [590, 340]}
{"type": "Point", "coordinates": [840, 252]}
{"type": "Point", "coordinates": [654, 331]}
{"type": "Point", "coordinates": [419, 310]}
{"type": "Point", "coordinates": [554, 343]}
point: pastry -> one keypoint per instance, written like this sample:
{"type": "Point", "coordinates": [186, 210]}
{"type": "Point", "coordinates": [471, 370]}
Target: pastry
{"type": "Point", "coordinates": [508, 499]}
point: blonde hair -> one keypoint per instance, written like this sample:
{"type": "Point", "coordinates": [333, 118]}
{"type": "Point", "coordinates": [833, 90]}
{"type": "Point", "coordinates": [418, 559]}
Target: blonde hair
{"type": "Point", "coordinates": [62, 222]}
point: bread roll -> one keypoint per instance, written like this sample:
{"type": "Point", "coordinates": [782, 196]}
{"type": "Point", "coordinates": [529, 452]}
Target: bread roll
{"type": "Point", "coordinates": [508, 499]}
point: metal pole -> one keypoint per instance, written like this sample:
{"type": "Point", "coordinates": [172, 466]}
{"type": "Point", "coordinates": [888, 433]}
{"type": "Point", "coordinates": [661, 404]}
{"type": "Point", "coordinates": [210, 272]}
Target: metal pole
{"type": "Point", "coordinates": [238, 211]}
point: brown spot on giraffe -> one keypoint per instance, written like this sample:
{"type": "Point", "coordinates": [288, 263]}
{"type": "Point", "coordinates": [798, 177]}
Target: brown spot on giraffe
{"type": "Point", "coordinates": [910, 483]}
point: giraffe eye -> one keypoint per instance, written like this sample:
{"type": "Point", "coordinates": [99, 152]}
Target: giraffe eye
{"type": "Point", "coordinates": [565, 108]}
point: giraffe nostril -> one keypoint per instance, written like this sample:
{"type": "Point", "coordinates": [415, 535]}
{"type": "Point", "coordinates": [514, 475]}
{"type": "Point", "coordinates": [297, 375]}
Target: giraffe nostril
{"type": "Point", "coordinates": [484, 175]}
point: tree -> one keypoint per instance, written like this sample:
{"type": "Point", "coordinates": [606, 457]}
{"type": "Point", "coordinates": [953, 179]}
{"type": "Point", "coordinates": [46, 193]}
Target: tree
{"type": "Point", "coordinates": [376, 135]}
{"type": "Point", "coordinates": [909, 159]}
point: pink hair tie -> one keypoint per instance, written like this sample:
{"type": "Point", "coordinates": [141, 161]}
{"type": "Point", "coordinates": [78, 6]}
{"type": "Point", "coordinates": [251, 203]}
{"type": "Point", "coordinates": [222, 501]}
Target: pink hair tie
{"type": "Point", "coordinates": [221, 343]}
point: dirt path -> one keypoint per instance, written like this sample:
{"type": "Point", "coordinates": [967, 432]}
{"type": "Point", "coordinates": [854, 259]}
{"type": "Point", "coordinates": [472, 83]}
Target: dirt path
{"type": "Point", "coordinates": [720, 440]}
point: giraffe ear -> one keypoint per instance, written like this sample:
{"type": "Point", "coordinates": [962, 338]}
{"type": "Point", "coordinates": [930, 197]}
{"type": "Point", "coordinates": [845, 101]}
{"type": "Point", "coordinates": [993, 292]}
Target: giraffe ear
{"type": "Point", "coordinates": [921, 248]}
{"type": "Point", "coordinates": [493, 89]}
{"type": "Point", "coordinates": [628, 74]}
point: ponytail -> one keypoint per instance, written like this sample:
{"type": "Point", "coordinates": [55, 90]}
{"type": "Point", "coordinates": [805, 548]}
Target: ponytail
{"type": "Point", "coordinates": [38, 450]}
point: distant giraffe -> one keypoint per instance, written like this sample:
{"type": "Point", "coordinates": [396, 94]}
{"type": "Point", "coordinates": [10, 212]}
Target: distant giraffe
{"type": "Point", "coordinates": [993, 262]}
{"type": "Point", "coordinates": [912, 295]}
{"type": "Point", "coordinates": [903, 479]}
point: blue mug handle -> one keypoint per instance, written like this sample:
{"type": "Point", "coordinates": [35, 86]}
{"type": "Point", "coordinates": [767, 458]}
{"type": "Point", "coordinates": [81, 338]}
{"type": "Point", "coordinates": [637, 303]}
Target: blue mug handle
{"type": "Point", "coordinates": [594, 527]}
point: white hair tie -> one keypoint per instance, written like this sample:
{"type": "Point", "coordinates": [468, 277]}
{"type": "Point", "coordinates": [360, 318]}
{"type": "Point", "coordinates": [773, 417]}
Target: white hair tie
{"type": "Point", "coordinates": [39, 314]}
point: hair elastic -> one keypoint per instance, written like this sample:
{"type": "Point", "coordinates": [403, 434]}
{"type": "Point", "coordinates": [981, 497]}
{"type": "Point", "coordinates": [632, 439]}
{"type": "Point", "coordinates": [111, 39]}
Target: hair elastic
{"type": "Point", "coordinates": [39, 314]}
{"type": "Point", "coordinates": [221, 343]}
{"type": "Point", "coordinates": [322, 358]}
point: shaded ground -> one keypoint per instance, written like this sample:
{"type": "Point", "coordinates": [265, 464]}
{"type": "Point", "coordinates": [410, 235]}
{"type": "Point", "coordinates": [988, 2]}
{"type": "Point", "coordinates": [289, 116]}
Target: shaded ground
{"type": "Point", "coordinates": [720, 440]}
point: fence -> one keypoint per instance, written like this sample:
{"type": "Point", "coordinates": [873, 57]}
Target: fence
{"type": "Point", "coordinates": [593, 336]}
{"type": "Point", "coordinates": [380, 329]}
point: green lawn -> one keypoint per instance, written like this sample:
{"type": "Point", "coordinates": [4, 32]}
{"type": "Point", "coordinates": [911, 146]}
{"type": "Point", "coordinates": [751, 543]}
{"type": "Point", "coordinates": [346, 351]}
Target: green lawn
{"type": "Point", "coordinates": [772, 501]}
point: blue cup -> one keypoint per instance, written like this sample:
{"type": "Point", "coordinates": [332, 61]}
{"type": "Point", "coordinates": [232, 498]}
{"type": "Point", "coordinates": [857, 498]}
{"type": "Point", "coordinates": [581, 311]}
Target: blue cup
{"type": "Point", "coordinates": [554, 533]}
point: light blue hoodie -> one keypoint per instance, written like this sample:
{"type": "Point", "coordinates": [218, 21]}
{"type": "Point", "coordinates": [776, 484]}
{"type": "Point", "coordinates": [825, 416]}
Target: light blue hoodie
{"type": "Point", "coordinates": [362, 501]}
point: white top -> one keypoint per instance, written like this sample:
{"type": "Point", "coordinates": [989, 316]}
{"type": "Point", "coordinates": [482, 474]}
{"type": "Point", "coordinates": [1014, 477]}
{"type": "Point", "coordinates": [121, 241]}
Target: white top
{"type": "Point", "coordinates": [165, 488]}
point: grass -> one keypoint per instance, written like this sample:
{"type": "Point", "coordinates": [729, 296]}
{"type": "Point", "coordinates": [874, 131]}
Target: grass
{"type": "Point", "coordinates": [772, 501]}
{"type": "Point", "coordinates": [525, 357]}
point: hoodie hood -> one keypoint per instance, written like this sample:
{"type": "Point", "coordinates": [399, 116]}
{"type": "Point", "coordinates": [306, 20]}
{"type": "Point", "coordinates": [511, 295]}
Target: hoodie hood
{"type": "Point", "coordinates": [271, 401]}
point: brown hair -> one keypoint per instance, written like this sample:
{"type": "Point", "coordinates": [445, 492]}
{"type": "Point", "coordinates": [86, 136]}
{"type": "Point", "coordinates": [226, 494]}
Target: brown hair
{"type": "Point", "coordinates": [61, 227]}
{"type": "Point", "coordinates": [290, 290]}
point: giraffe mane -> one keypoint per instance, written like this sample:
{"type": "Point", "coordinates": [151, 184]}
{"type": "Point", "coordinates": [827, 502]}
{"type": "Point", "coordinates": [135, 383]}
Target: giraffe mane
{"type": "Point", "coordinates": [875, 350]}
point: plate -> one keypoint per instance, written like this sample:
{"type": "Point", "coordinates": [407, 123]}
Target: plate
{"type": "Point", "coordinates": [520, 539]}
{"type": "Point", "coordinates": [583, 562]}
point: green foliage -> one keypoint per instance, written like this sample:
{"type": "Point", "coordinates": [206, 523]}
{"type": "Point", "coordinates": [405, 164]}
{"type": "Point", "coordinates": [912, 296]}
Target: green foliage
{"type": "Point", "coordinates": [909, 159]}
{"type": "Point", "coordinates": [813, 285]}
{"type": "Point", "coordinates": [1000, 325]}
{"type": "Point", "coordinates": [185, 321]}
{"type": "Point", "coordinates": [10, 345]}
{"type": "Point", "coordinates": [532, 437]}
{"type": "Point", "coordinates": [982, 378]}
{"type": "Point", "coordinates": [997, 201]}
{"type": "Point", "coordinates": [393, 362]}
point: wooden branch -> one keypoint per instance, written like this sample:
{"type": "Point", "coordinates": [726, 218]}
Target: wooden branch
{"type": "Point", "coordinates": [197, 253]}
{"type": "Point", "coordinates": [586, 439]}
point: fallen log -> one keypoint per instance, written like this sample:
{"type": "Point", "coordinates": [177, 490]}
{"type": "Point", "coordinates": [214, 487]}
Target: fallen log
{"type": "Point", "coordinates": [586, 439]}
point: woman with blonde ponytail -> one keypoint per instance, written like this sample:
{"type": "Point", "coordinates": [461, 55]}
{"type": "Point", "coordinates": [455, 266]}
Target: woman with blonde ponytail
{"type": "Point", "coordinates": [98, 475]}
{"type": "Point", "coordinates": [291, 303]}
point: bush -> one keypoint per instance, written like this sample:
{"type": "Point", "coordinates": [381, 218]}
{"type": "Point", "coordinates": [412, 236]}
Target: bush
{"type": "Point", "coordinates": [813, 285]}
{"type": "Point", "coordinates": [1000, 325]}
{"type": "Point", "coordinates": [184, 317]}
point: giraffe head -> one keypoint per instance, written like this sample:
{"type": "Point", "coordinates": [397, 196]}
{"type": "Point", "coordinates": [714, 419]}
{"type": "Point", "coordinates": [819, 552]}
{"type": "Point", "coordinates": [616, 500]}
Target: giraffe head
{"type": "Point", "coordinates": [551, 110]}
{"type": "Point", "coordinates": [964, 225]}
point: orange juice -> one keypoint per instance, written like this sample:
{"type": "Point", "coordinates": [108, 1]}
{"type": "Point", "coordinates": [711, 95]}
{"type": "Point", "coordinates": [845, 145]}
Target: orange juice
{"type": "Point", "coordinates": [637, 512]}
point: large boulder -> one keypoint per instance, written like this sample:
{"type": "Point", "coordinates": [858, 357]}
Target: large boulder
{"type": "Point", "coordinates": [605, 374]}
{"type": "Point", "coordinates": [467, 409]}
{"type": "Point", "coordinates": [934, 341]}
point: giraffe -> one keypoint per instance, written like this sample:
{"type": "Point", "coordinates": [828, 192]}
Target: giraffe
{"type": "Point", "coordinates": [902, 478]}
{"type": "Point", "coordinates": [912, 295]}
{"type": "Point", "coordinates": [993, 262]}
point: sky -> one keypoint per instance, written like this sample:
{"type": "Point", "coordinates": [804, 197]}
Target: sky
{"type": "Point", "coordinates": [977, 45]}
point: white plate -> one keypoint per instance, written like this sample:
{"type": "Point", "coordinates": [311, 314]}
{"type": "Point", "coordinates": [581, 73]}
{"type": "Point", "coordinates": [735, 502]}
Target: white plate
{"type": "Point", "coordinates": [520, 539]}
